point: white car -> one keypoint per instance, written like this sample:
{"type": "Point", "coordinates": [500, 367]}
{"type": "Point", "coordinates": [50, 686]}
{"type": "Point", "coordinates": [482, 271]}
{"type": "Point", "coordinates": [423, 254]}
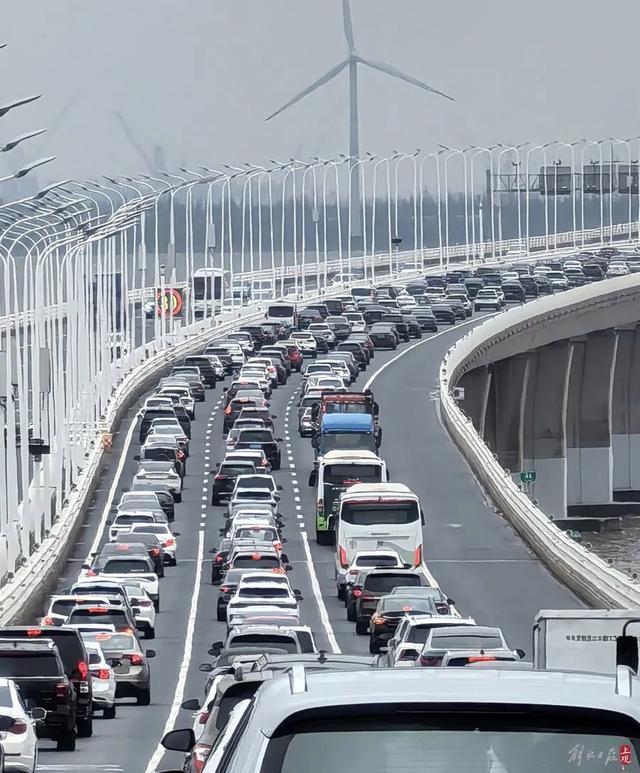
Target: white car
{"type": "Point", "coordinates": [339, 369]}
{"type": "Point", "coordinates": [180, 388]}
{"type": "Point", "coordinates": [306, 342]}
{"type": "Point", "coordinates": [163, 472]}
{"type": "Point", "coordinates": [121, 569]}
{"type": "Point", "coordinates": [406, 302]}
{"type": "Point", "coordinates": [510, 276]}
{"type": "Point", "coordinates": [144, 611]}
{"type": "Point", "coordinates": [325, 382]}
{"type": "Point", "coordinates": [19, 741]}
{"type": "Point", "coordinates": [544, 270]}
{"type": "Point", "coordinates": [258, 596]}
{"type": "Point", "coordinates": [487, 298]}
{"type": "Point", "coordinates": [324, 331]}
{"type": "Point", "coordinates": [103, 680]}
{"type": "Point", "coordinates": [124, 521]}
{"type": "Point", "coordinates": [248, 497]}
{"type": "Point", "coordinates": [356, 320]}
{"type": "Point", "coordinates": [617, 268]}
{"type": "Point", "coordinates": [558, 280]}
{"type": "Point", "coordinates": [164, 533]}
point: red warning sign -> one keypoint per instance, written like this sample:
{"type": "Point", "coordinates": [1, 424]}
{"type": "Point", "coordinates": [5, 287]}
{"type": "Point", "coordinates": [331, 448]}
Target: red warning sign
{"type": "Point", "coordinates": [169, 302]}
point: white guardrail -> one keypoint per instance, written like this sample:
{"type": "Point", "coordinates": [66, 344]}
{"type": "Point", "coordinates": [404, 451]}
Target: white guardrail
{"type": "Point", "coordinates": [584, 572]}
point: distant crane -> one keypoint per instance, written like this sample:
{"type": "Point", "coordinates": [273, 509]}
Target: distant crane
{"type": "Point", "coordinates": [158, 162]}
{"type": "Point", "coordinates": [352, 61]}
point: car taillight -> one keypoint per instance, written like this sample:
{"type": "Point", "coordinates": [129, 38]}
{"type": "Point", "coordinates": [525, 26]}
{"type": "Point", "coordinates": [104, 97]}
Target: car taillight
{"type": "Point", "coordinates": [135, 659]}
{"type": "Point", "coordinates": [228, 410]}
{"type": "Point", "coordinates": [224, 589]}
{"type": "Point", "coordinates": [91, 573]}
{"type": "Point", "coordinates": [277, 545]}
{"type": "Point", "coordinates": [47, 621]}
{"type": "Point", "coordinates": [17, 727]}
{"type": "Point", "coordinates": [62, 690]}
{"type": "Point", "coordinates": [199, 756]}
{"type": "Point", "coordinates": [83, 669]}
{"type": "Point", "coordinates": [155, 551]}
{"type": "Point", "coordinates": [357, 592]}
{"type": "Point", "coordinates": [321, 507]}
{"type": "Point", "coordinates": [219, 559]}
{"type": "Point", "coordinates": [204, 716]}
{"type": "Point", "coordinates": [479, 658]}
{"type": "Point", "coordinates": [417, 556]}
{"type": "Point", "coordinates": [180, 454]}
{"type": "Point", "coordinates": [144, 603]}
{"type": "Point", "coordinates": [378, 620]}
{"type": "Point", "coordinates": [343, 557]}
{"type": "Point", "coordinates": [430, 660]}
{"type": "Point", "coordinates": [169, 542]}
{"type": "Point", "coordinates": [221, 477]}
{"type": "Point", "coordinates": [102, 673]}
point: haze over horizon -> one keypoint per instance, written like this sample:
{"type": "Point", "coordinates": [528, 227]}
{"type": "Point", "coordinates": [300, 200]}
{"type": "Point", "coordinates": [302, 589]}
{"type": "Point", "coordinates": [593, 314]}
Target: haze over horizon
{"type": "Point", "coordinates": [200, 82]}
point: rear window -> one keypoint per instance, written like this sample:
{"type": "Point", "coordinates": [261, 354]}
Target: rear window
{"type": "Point", "coordinates": [235, 469]}
{"type": "Point", "coordinates": [120, 642]}
{"type": "Point", "coordinates": [281, 642]}
{"type": "Point", "coordinates": [94, 659]}
{"type": "Point", "coordinates": [258, 533]}
{"type": "Point", "coordinates": [257, 592]}
{"type": "Point", "coordinates": [365, 514]}
{"type": "Point", "coordinates": [261, 562]}
{"type": "Point", "coordinates": [256, 436]}
{"type": "Point", "coordinates": [159, 454]}
{"type": "Point", "coordinates": [18, 664]}
{"type": "Point", "coordinates": [91, 615]}
{"type": "Point", "coordinates": [124, 520]}
{"type": "Point", "coordinates": [466, 641]}
{"type": "Point", "coordinates": [69, 643]}
{"type": "Point", "coordinates": [373, 561]}
{"type": "Point", "coordinates": [62, 607]}
{"type": "Point", "coordinates": [383, 583]}
{"type": "Point", "coordinates": [125, 567]}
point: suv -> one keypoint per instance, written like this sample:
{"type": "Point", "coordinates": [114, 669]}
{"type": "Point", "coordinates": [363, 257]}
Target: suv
{"type": "Point", "coordinates": [75, 662]}
{"type": "Point", "coordinates": [36, 669]}
{"type": "Point", "coordinates": [371, 585]}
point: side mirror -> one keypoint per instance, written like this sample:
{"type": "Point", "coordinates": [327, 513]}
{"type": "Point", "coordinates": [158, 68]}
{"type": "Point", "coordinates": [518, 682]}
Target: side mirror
{"type": "Point", "coordinates": [298, 594]}
{"type": "Point", "coordinates": [207, 668]}
{"type": "Point", "coordinates": [521, 654]}
{"type": "Point", "coordinates": [288, 568]}
{"type": "Point", "coordinates": [422, 518]}
{"type": "Point", "coordinates": [86, 566]}
{"type": "Point", "coordinates": [115, 662]}
{"type": "Point", "coordinates": [114, 509]}
{"type": "Point", "coordinates": [216, 648]}
{"type": "Point", "coordinates": [38, 713]}
{"type": "Point", "coordinates": [280, 488]}
{"type": "Point", "coordinates": [137, 457]}
{"type": "Point", "coordinates": [273, 416]}
{"type": "Point", "coordinates": [191, 705]}
{"type": "Point", "coordinates": [176, 533]}
{"type": "Point", "coordinates": [627, 652]}
{"type": "Point", "coordinates": [279, 439]}
{"type": "Point", "coordinates": [451, 602]}
{"type": "Point", "coordinates": [150, 654]}
{"type": "Point", "coordinates": [313, 477]}
{"type": "Point", "coordinates": [225, 389]}
{"type": "Point", "coordinates": [179, 740]}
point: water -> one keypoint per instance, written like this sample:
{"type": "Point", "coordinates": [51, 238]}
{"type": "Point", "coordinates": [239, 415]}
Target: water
{"type": "Point", "coordinates": [620, 545]}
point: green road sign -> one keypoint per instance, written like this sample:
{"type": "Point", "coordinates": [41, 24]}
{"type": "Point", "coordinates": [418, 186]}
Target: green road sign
{"type": "Point", "coordinates": [528, 476]}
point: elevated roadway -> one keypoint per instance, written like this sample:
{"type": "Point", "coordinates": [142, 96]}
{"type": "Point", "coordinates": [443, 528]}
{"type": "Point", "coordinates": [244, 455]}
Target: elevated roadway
{"type": "Point", "coordinates": [473, 553]}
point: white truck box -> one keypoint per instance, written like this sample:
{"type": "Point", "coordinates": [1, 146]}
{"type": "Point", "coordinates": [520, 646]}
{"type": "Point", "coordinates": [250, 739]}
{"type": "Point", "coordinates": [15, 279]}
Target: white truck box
{"type": "Point", "coordinates": [580, 639]}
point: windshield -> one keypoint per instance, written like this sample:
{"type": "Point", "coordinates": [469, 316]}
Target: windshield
{"type": "Point", "coordinates": [339, 474]}
{"type": "Point", "coordinates": [374, 514]}
{"type": "Point", "coordinates": [284, 312]}
{"type": "Point", "coordinates": [415, 742]}
{"type": "Point", "coordinates": [347, 441]}
{"type": "Point", "coordinates": [256, 436]}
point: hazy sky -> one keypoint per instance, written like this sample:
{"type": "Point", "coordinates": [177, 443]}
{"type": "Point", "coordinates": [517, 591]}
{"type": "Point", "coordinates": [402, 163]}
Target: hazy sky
{"type": "Point", "coordinates": [198, 77]}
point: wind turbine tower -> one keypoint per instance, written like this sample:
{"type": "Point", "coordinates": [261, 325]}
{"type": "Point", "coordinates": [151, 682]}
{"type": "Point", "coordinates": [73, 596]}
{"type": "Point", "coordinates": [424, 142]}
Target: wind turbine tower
{"type": "Point", "coordinates": [351, 62]}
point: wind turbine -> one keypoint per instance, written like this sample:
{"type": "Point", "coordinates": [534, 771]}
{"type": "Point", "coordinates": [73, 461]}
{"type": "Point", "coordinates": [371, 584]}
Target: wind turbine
{"type": "Point", "coordinates": [352, 61]}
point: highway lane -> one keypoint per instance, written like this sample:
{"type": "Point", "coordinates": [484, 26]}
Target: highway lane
{"type": "Point", "coordinates": [473, 553]}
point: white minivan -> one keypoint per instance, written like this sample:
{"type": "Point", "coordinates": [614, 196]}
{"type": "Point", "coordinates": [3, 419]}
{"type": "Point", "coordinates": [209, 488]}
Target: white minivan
{"type": "Point", "coordinates": [379, 516]}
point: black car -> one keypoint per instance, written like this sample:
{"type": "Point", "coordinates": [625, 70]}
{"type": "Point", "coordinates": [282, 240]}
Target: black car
{"type": "Point", "coordinates": [390, 611]}
{"type": "Point", "coordinates": [443, 312]}
{"type": "Point", "coordinates": [593, 272]}
{"type": "Point", "coordinates": [257, 333]}
{"type": "Point", "coordinates": [371, 585]}
{"type": "Point", "coordinates": [458, 309]}
{"type": "Point", "coordinates": [544, 285]}
{"type": "Point", "coordinates": [436, 281]}
{"type": "Point", "coordinates": [225, 478]}
{"type": "Point", "coordinates": [360, 354]}
{"type": "Point", "coordinates": [37, 669]}
{"type": "Point", "coordinates": [373, 313]}
{"type": "Point", "coordinates": [220, 555]}
{"type": "Point", "coordinates": [262, 439]}
{"type": "Point", "coordinates": [575, 276]}
{"type": "Point", "coordinates": [426, 319]}
{"type": "Point", "coordinates": [163, 492]}
{"type": "Point", "coordinates": [75, 662]}
{"type": "Point", "coordinates": [413, 325]}
{"type": "Point", "coordinates": [384, 335]}
{"type": "Point", "coordinates": [223, 355]}
{"type": "Point", "coordinates": [514, 291]}
{"type": "Point", "coordinates": [207, 371]}
{"type": "Point", "coordinates": [530, 286]}
{"type": "Point", "coordinates": [395, 318]}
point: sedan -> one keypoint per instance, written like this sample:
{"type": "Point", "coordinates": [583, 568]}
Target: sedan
{"type": "Point", "coordinates": [103, 681]}
{"type": "Point", "coordinates": [133, 675]}
{"type": "Point", "coordinates": [384, 336]}
{"type": "Point", "coordinates": [443, 313]}
{"type": "Point", "coordinates": [17, 727]}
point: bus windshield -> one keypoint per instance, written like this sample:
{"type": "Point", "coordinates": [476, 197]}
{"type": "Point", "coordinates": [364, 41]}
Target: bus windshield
{"type": "Point", "coordinates": [285, 312]}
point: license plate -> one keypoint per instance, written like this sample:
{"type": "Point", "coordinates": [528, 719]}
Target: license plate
{"type": "Point", "coordinates": [255, 445]}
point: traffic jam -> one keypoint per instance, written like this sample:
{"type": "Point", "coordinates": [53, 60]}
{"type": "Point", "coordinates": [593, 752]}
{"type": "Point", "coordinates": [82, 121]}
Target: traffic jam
{"type": "Point", "coordinates": [89, 649]}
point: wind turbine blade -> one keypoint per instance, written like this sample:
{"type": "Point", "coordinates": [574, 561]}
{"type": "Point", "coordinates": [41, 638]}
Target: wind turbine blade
{"type": "Point", "coordinates": [395, 73]}
{"type": "Point", "coordinates": [315, 85]}
{"type": "Point", "coordinates": [348, 26]}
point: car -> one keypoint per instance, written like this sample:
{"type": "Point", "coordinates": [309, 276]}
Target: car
{"type": "Point", "coordinates": [262, 439]}
{"type": "Point", "coordinates": [167, 538]}
{"type": "Point", "coordinates": [391, 610]}
{"type": "Point", "coordinates": [371, 584]}
{"type": "Point", "coordinates": [558, 280]}
{"type": "Point", "coordinates": [164, 449]}
{"type": "Point", "coordinates": [513, 291]}
{"type": "Point", "coordinates": [73, 655]}
{"type": "Point", "coordinates": [306, 342]}
{"type": "Point", "coordinates": [164, 495]}
{"type": "Point", "coordinates": [487, 298]}
{"type": "Point", "coordinates": [164, 472]}
{"type": "Point", "coordinates": [617, 268]}
{"type": "Point", "coordinates": [142, 605]}
{"type": "Point", "coordinates": [124, 544]}
{"type": "Point", "coordinates": [322, 330]}
{"type": "Point", "coordinates": [426, 320]}
{"type": "Point", "coordinates": [133, 674]}
{"type": "Point", "coordinates": [440, 640]}
{"type": "Point", "coordinates": [384, 335]}
{"type": "Point", "coordinates": [205, 367]}
{"type": "Point", "coordinates": [180, 391]}
{"type": "Point", "coordinates": [254, 455]}
{"type": "Point", "coordinates": [225, 478]}
{"type": "Point", "coordinates": [364, 559]}
{"type": "Point", "coordinates": [123, 568]}
{"type": "Point", "coordinates": [248, 497]}
{"type": "Point", "coordinates": [124, 520]}
{"type": "Point", "coordinates": [444, 313]}
{"type": "Point", "coordinates": [103, 681]}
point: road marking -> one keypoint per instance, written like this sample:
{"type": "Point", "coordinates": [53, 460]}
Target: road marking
{"type": "Point", "coordinates": [385, 365]}
{"type": "Point", "coordinates": [315, 587]}
{"type": "Point", "coordinates": [114, 487]}
{"type": "Point", "coordinates": [186, 658]}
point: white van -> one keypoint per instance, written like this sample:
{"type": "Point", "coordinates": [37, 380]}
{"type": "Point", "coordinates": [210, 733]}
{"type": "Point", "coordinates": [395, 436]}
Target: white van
{"type": "Point", "coordinates": [336, 472]}
{"type": "Point", "coordinates": [379, 515]}
{"type": "Point", "coordinates": [282, 314]}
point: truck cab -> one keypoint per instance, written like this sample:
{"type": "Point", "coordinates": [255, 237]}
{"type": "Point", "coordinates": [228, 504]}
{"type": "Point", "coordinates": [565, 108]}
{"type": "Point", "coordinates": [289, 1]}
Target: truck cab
{"type": "Point", "coordinates": [346, 432]}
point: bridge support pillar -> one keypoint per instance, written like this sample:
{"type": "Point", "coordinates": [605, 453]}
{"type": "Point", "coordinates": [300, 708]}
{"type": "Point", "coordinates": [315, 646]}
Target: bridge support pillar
{"type": "Point", "coordinates": [625, 437]}
{"type": "Point", "coordinates": [476, 384]}
{"type": "Point", "coordinates": [543, 425]}
{"type": "Point", "coordinates": [589, 455]}
{"type": "Point", "coordinates": [509, 386]}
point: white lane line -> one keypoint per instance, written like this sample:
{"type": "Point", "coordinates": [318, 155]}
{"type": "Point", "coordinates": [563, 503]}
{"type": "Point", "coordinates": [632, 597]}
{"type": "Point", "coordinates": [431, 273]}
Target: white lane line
{"type": "Point", "coordinates": [186, 658]}
{"type": "Point", "coordinates": [114, 487]}
{"type": "Point", "coordinates": [385, 365]}
{"type": "Point", "coordinates": [315, 587]}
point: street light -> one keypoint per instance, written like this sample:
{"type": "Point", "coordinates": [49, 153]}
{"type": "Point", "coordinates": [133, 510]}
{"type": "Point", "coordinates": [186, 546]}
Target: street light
{"type": "Point", "coordinates": [24, 170]}
{"type": "Point", "coordinates": [27, 136]}
{"type": "Point", "coordinates": [18, 103]}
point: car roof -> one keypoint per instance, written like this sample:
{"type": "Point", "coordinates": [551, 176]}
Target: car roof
{"type": "Point", "coordinates": [354, 422]}
{"type": "Point", "coordinates": [351, 456]}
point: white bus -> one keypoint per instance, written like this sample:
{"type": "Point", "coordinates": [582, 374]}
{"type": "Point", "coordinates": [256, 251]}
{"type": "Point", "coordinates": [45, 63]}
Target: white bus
{"type": "Point", "coordinates": [337, 471]}
{"type": "Point", "coordinates": [377, 516]}
{"type": "Point", "coordinates": [282, 313]}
